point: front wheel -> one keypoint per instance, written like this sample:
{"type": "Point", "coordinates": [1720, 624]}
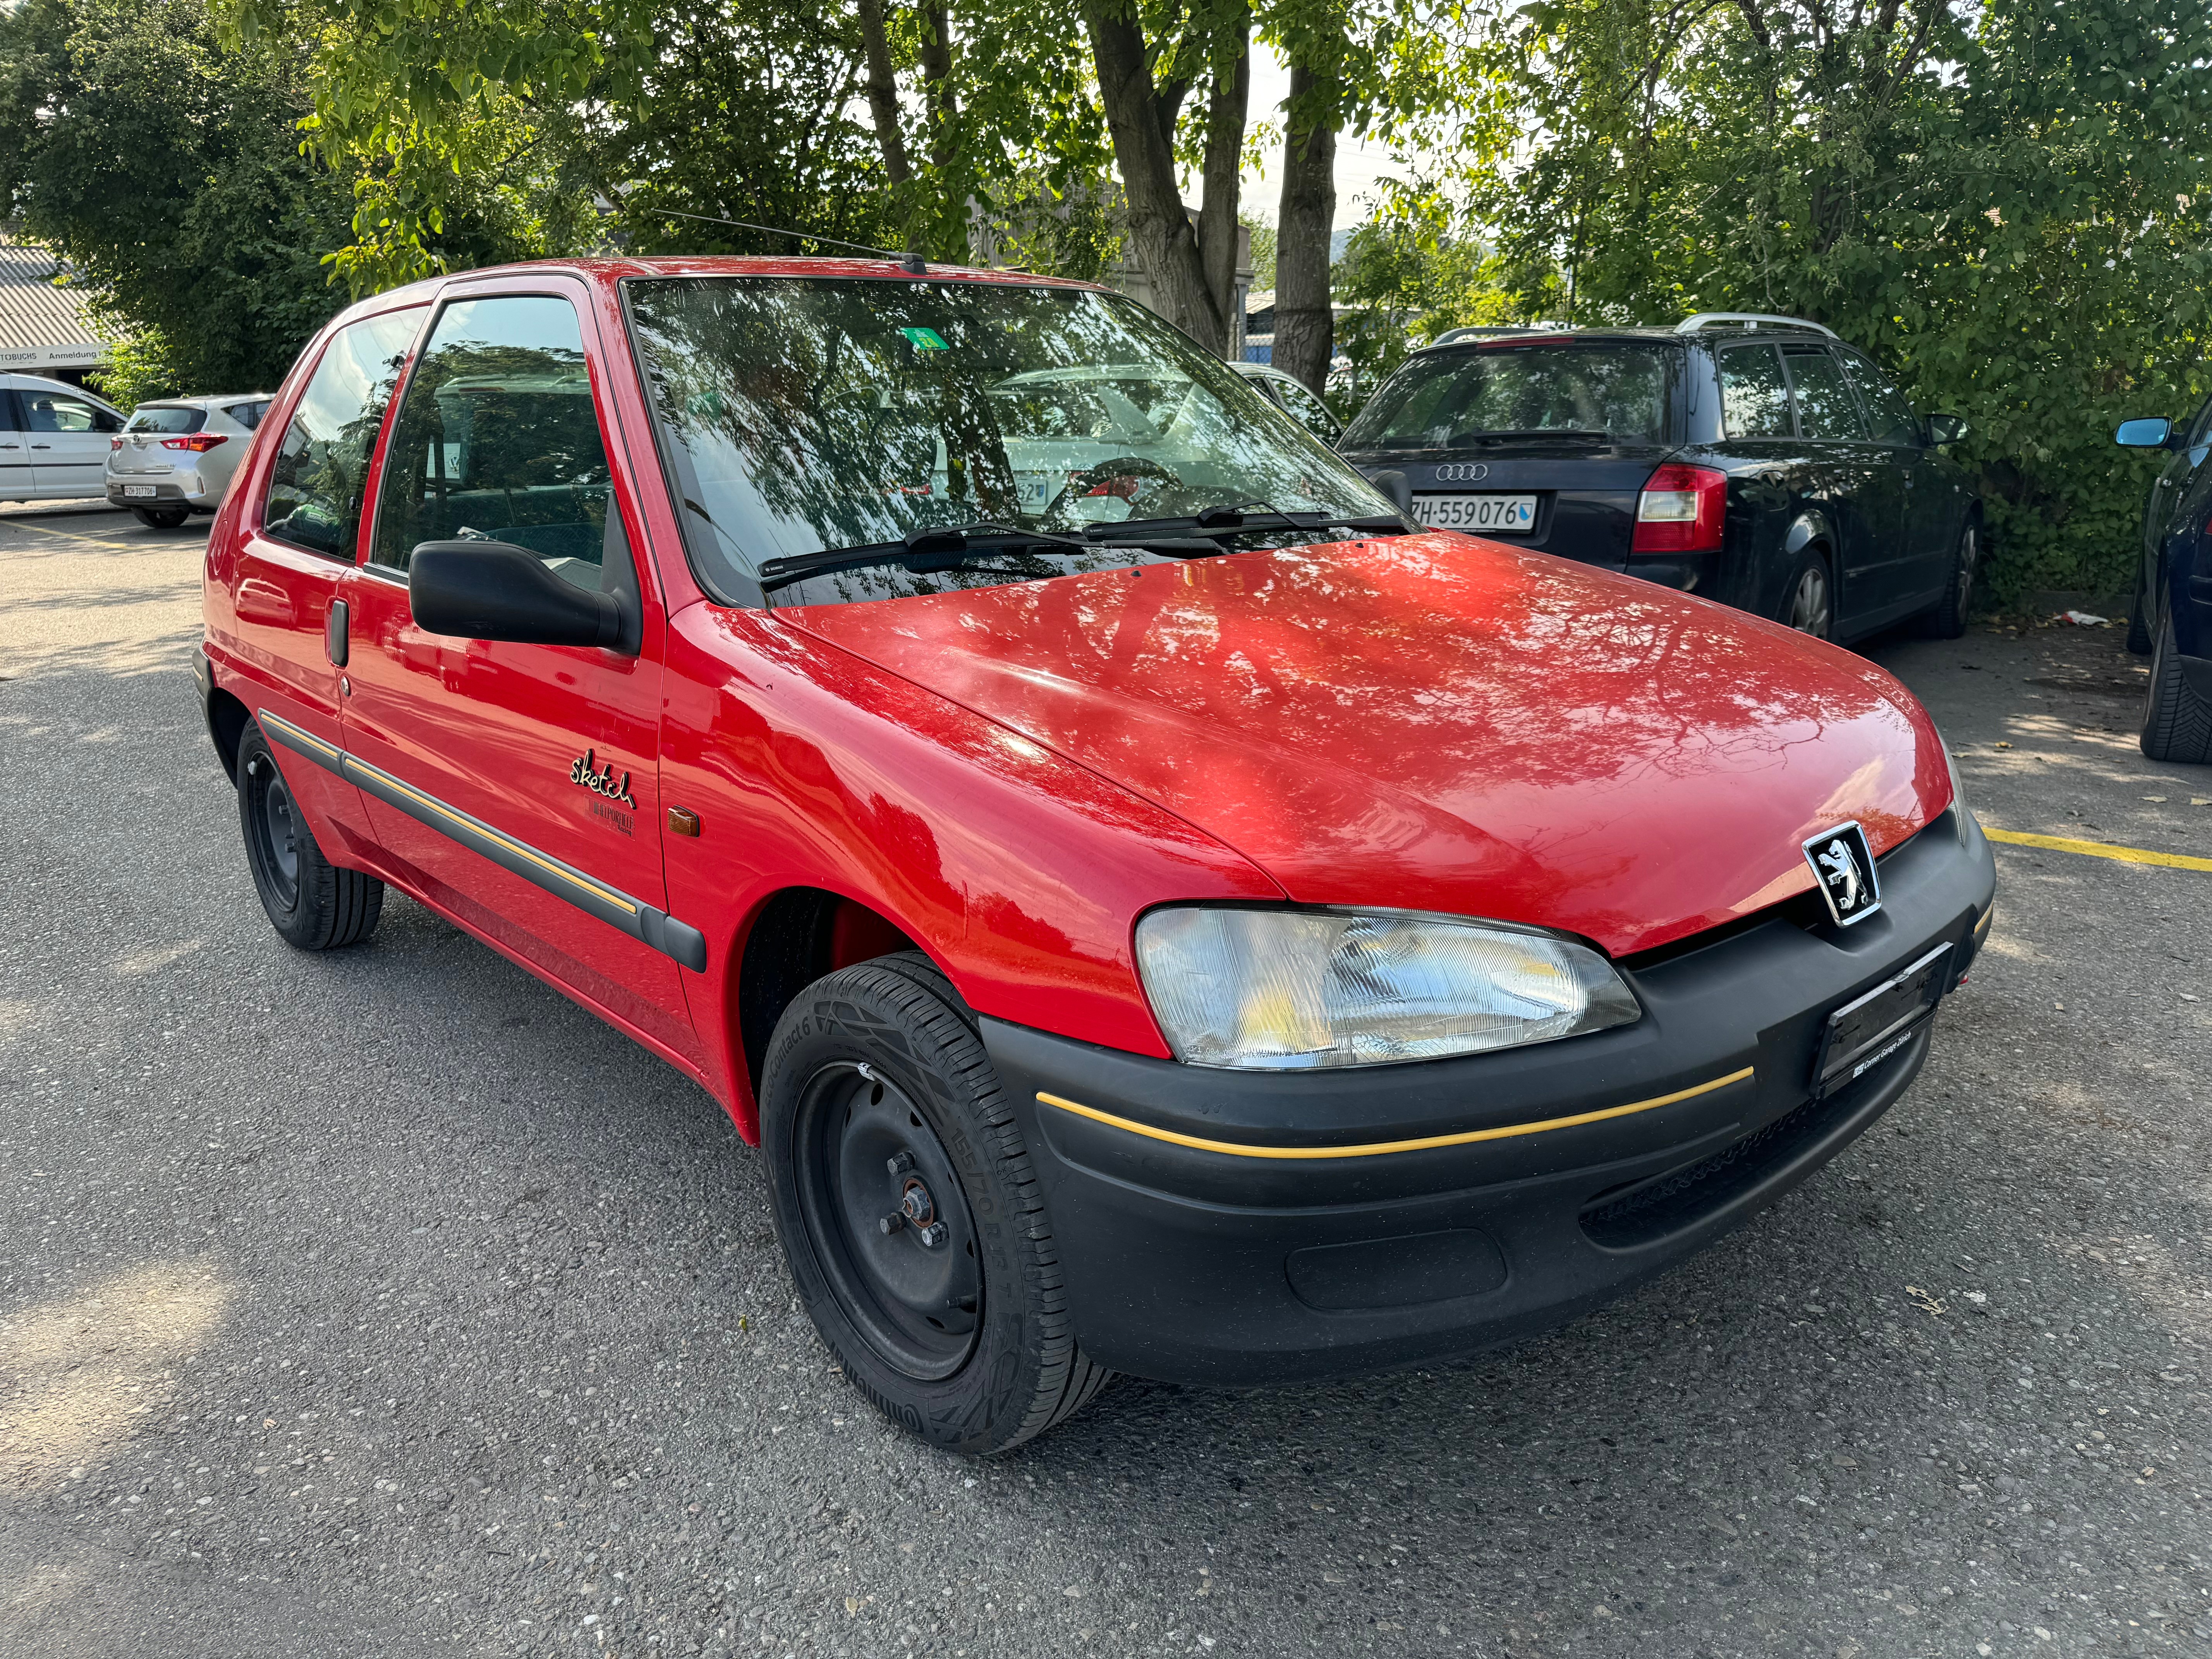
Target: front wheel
{"type": "Point", "coordinates": [312, 903]}
{"type": "Point", "coordinates": [2176, 722]}
{"type": "Point", "coordinates": [1809, 604]}
{"type": "Point", "coordinates": [911, 1212]}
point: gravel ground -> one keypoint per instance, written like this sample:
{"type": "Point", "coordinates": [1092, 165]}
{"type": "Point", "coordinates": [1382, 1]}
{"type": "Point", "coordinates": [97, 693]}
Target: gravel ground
{"type": "Point", "coordinates": [385, 1301]}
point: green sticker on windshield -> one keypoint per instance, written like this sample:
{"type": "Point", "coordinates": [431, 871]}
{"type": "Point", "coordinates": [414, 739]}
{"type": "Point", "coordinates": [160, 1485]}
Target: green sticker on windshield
{"type": "Point", "coordinates": [925, 339]}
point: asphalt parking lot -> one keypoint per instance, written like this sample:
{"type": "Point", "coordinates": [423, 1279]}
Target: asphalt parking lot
{"type": "Point", "coordinates": [385, 1301]}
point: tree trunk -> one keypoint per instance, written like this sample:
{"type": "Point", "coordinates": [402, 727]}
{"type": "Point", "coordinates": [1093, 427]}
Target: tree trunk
{"type": "Point", "coordinates": [1143, 155]}
{"type": "Point", "coordinates": [936, 84]}
{"type": "Point", "coordinates": [1305, 334]}
{"type": "Point", "coordinates": [1226, 110]}
{"type": "Point", "coordinates": [883, 94]}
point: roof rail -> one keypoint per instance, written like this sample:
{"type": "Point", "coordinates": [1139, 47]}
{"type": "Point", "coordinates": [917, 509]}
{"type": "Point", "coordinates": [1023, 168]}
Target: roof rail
{"type": "Point", "coordinates": [1453, 336]}
{"type": "Point", "coordinates": [1750, 319]}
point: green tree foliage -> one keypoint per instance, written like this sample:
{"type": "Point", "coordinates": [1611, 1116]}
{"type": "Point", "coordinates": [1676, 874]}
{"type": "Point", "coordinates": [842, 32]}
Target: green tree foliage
{"type": "Point", "coordinates": [2007, 201]}
{"type": "Point", "coordinates": [170, 177]}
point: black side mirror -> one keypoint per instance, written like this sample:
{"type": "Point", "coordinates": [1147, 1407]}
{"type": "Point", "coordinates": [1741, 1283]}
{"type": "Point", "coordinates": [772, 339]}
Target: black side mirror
{"type": "Point", "coordinates": [1399, 488]}
{"type": "Point", "coordinates": [1946, 428]}
{"type": "Point", "coordinates": [2152, 432]}
{"type": "Point", "coordinates": [488, 590]}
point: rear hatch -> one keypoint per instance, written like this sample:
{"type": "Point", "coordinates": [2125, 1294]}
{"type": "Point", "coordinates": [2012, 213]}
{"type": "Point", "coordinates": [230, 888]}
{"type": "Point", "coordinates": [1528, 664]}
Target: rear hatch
{"type": "Point", "coordinates": [1542, 442]}
{"type": "Point", "coordinates": [139, 449]}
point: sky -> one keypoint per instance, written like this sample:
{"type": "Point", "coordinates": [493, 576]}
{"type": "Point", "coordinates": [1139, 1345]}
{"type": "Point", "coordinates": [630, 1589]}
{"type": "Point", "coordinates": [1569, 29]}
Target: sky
{"type": "Point", "coordinates": [1357, 165]}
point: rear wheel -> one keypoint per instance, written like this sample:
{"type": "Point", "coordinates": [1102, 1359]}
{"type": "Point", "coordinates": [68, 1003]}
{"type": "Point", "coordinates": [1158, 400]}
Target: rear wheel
{"type": "Point", "coordinates": [1808, 604]}
{"type": "Point", "coordinates": [911, 1212]}
{"type": "Point", "coordinates": [1948, 619]}
{"type": "Point", "coordinates": [2176, 722]}
{"type": "Point", "coordinates": [160, 518]}
{"type": "Point", "coordinates": [312, 903]}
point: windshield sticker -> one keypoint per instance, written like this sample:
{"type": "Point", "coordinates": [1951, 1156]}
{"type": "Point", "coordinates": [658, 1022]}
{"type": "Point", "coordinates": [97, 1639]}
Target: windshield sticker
{"type": "Point", "coordinates": [925, 339]}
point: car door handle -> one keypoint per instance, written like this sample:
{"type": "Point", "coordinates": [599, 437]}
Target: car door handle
{"type": "Point", "coordinates": [335, 640]}
{"type": "Point", "coordinates": [42, 446]}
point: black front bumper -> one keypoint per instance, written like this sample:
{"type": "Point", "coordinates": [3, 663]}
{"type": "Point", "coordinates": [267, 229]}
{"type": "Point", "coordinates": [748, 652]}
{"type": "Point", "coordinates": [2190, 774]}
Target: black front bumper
{"type": "Point", "coordinates": [1271, 1253]}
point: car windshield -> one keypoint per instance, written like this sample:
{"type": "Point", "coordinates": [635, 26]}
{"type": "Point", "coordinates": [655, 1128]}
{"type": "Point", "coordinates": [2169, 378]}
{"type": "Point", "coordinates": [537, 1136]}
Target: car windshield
{"type": "Point", "coordinates": [166, 417]}
{"type": "Point", "coordinates": [1450, 400]}
{"type": "Point", "coordinates": [799, 416]}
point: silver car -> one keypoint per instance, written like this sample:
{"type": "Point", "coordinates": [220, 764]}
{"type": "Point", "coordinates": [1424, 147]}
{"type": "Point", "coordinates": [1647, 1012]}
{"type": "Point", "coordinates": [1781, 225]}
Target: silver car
{"type": "Point", "coordinates": [1280, 387]}
{"type": "Point", "coordinates": [175, 457]}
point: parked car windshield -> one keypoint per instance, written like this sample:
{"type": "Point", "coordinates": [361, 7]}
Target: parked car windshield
{"type": "Point", "coordinates": [799, 416]}
{"type": "Point", "coordinates": [166, 417]}
{"type": "Point", "coordinates": [1448, 399]}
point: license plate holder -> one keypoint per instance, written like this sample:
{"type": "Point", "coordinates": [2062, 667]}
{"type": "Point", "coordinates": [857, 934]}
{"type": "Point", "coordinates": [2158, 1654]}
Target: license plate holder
{"type": "Point", "coordinates": [1876, 1023]}
{"type": "Point", "coordinates": [138, 489]}
{"type": "Point", "coordinates": [1512, 515]}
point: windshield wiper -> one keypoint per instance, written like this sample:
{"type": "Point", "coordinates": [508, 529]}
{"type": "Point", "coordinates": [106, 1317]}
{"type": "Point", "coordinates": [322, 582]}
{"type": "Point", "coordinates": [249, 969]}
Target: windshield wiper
{"type": "Point", "coordinates": [943, 547]}
{"type": "Point", "coordinates": [1222, 522]}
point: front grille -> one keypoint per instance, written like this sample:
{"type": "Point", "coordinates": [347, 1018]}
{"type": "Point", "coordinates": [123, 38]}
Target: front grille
{"type": "Point", "coordinates": [1644, 1212]}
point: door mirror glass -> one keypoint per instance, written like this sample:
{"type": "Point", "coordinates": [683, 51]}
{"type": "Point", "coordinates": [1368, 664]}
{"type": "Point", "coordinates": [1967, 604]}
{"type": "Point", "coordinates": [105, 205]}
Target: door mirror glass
{"type": "Point", "coordinates": [2144, 434]}
{"type": "Point", "coordinates": [492, 590]}
{"type": "Point", "coordinates": [1946, 428]}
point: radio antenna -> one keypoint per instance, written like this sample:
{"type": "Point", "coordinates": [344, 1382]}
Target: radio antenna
{"type": "Point", "coordinates": [911, 261]}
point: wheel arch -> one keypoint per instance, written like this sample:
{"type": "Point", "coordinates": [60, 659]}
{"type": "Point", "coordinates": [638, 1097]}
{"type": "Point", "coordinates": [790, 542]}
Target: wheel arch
{"type": "Point", "coordinates": [795, 935]}
{"type": "Point", "coordinates": [226, 720]}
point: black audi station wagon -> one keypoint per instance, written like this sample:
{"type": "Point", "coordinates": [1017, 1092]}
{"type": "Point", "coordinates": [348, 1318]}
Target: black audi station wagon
{"type": "Point", "coordinates": [1753, 460]}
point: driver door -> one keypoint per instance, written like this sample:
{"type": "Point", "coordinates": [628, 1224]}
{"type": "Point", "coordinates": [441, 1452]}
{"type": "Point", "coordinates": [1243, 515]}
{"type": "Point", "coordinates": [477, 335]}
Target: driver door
{"type": "Point", "coordinates": [520, 782]}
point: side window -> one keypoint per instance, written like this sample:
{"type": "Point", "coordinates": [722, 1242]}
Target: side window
{"type": "Point", "coordinates": [1311, 412]}
{"type": "Point", "coordinates": [248, 414]}
{"type": "Point", "coordinates": [497, 437]}
{"type": "Point", "coordinates": [1825, 408]}
{"type": "Point", "coordinates": [56, 411]}
{"type": "Point", "coordinates": [1754, 397]}
{"type": "Point", "coordinates": [1894, 423]}
{"type": "Point", "coordinates": [315, 486]}
{"type": "Point", "coordinates": [2200, 429]}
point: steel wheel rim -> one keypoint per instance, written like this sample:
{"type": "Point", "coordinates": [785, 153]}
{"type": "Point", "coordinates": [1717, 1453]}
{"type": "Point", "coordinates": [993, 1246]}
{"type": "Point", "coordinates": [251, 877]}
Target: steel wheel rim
{"type": "Point", "coordinates": [277, 823]}
{"type": "Point", "coordinates": [1809, 605]}
{"type": "Point", "coordinates": [915, 1297]}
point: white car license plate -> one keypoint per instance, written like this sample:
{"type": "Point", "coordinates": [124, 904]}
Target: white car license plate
{"type": "Point", "coordinates": [1512, 514]}
{"type": "Point", "coordinates": [138, 489]}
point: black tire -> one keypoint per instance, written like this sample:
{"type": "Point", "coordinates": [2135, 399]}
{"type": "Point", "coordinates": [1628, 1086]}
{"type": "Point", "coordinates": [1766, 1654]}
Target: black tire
{"type": "Point", "coordinates": [2139, 620]}
{"type": "Point", "coordinates": [312, 903]}
{"type": "Point", "coordinates": [160, 518]}
{"type": "Point", "coordinates": [1801, 610]}
{"type": "Point", "coordinates": [2177, 723]}
{"type": "Point", "coordinates": [879, 1101]}
{"type": "Point", "coordinates": [1947, 618]}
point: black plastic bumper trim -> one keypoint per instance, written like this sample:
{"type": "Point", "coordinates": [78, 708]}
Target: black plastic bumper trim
{"type": "Point", "coordinates": [654, 927]}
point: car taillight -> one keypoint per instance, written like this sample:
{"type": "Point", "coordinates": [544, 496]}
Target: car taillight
{"type": "Point", "coordinates": [199, 443]}
{"type": "Point", "coordinates": [115, 443]}
{"type": "Point", "coordinates": [1681, 511]}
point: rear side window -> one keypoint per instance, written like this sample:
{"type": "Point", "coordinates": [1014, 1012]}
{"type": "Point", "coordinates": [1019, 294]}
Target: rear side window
{"type": "Point", "coordinates": [1825, 408]}
{"type": "Point", "coordinates": [1754, 397]}
{"type": "Point", "coordinates": [497, 437]}
{"type": "Point", "coordinates": [247, 415]}
{"type": "Point", "coordinates": [149, 418]}
{"type": "Point", "coordinates": [315, 487]}
{"type": "Point", "coordinates": [1894, 423]}
{"type": "Point", "coordinates": [1450, 398]}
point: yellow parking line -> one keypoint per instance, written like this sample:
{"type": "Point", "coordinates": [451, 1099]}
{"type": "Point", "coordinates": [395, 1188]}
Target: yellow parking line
{"type": "Point", "coordinates": [2098, 849]}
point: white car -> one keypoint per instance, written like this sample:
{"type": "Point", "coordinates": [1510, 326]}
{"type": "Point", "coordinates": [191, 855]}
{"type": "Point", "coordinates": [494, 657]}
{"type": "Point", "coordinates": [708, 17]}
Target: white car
{"type": "Point", "coordinates": [175, 457]}
{"type": "Point", "coordinates": [53, 440]}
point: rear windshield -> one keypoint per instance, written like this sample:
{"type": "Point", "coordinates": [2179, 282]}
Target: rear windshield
{"type": "Point", "coordinates": [802, 415]}
{"type": "Point", "coordinates": [1448, 399]}
{"type": "Point", "coordinates": [166, 417]}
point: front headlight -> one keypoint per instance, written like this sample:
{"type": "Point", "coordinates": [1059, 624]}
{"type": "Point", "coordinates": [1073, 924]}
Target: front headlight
{"type": "Point", "coordinates": [1282, 990]}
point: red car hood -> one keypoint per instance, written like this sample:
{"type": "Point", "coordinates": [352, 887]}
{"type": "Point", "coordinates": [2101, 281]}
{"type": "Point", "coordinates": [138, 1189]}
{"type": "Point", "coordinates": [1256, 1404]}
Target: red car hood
{"type": "Point", "coordinates": [1439, 723]}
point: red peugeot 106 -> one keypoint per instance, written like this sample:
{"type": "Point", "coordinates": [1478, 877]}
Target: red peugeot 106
{"type": "Point", "coordinates": [1155, 912]}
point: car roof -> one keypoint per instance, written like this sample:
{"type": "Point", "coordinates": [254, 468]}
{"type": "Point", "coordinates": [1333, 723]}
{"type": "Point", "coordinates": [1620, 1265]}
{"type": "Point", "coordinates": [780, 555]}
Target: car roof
{"type": "Point", "coordinates": [211, 402]}
{"type": "Point", "coordinates": [608, 272]}
{"type": "Point", "coordinates": [1646, 334]}
{"type": "Point", "coordinates": [40, 383]}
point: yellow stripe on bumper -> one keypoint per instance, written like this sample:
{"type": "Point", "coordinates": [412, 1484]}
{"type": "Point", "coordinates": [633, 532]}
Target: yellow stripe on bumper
{"type": "Point", "coordinates": [1377, 1148]}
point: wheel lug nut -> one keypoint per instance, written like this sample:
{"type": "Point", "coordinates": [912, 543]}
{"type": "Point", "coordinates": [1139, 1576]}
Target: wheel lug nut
{"type": "Point", "coordinates": [934, 1234]}
{"type": "Point", "coordinates": [890, 1224]}
{"type": "Point", "coordinates": [899, 1162]}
